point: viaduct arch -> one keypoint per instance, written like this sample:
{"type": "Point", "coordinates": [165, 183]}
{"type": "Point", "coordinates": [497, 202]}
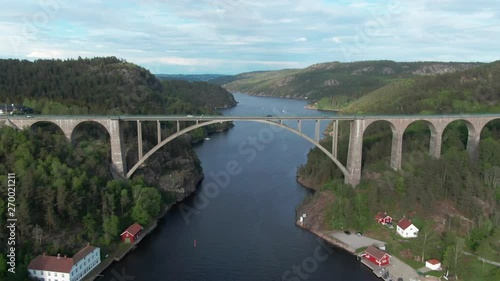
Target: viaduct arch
{"type": "Point", "coordinates": [358, 125]}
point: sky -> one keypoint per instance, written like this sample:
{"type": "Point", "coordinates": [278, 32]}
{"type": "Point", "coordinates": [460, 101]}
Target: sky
{"type": "Point", "coordinates": [234, 36]}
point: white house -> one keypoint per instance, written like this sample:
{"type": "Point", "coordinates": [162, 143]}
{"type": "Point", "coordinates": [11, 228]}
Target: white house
{"type": "Point", "coordinates": [51, 268]}
{"type": "Point", "coordinates": [433, 264]}
{"type": "Point", "coordinates": [406, 229]}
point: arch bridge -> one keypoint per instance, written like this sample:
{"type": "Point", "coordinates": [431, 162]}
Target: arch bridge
{"type": "Point", "coordinates": [358, 125]}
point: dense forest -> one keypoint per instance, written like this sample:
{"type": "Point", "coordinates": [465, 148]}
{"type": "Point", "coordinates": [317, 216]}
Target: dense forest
{"type": "Point", "coordinates": [65, 193]}
{"type": "Point", "coordinates": [454, 200]}
{"type": "Point", "coordinates": [102, 86]}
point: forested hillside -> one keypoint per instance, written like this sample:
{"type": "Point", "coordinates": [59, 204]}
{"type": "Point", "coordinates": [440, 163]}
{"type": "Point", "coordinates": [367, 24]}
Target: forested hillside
{"type": "Point", "coordinates": [454, 200]}
{"type": "Point", "coordinates": [472, 91]}
{"type": "Point", "coordinates": [65, 193]}
{"type": "Point", "coordinates": [334, 84]}
{"type": "Point", "coordinates": [101, 86]}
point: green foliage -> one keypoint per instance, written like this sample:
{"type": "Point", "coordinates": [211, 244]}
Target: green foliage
{"type": "Point", "coordinates": [103, 86]}
{"type": "Point", "coordinates": [334, 85]}
{"type": "Point", "coordinates": [470, 91]}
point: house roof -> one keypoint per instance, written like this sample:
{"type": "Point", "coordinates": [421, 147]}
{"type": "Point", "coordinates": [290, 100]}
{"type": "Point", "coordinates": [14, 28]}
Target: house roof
{"type": "Point", "coordinates": [381, 215]}
{"type": "Point", "coordinates": [433, 261]}
{"type": "Point", "coordinates": [83, 253]}
{"type": "Point", "coordinates": [374, 252]}
{"type": "Point", "coordinates": [59, 264]}
{"type": "Point", "coordinates": [51, 263]}
{"type": "Point", "coordinates": [133, 229]}
{"type": "Point", "coordinates": [404, 223]}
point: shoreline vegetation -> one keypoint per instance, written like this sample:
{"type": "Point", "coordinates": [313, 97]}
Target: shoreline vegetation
{"type": "Point", "coordinates": [124, 249]}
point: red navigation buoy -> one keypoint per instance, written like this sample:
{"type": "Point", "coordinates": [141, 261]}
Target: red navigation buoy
{"type": "Point", "coordinates": [195, 242]}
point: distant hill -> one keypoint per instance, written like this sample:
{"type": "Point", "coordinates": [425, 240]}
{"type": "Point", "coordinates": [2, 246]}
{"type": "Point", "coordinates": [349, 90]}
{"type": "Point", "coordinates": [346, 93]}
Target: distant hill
{"type": "Point", "coordinates": [475, 90]}
{"type": "Point", "coordinates": [191, 77]}
{"type": "Point", "coordinates": [335, 82]}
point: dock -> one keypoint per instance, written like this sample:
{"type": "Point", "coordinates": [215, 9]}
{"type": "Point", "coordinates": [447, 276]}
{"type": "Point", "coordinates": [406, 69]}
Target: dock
{"type": "Point", "coordinates": [392, 272]}
{"type": "Point", "coordinates": [379, 271]}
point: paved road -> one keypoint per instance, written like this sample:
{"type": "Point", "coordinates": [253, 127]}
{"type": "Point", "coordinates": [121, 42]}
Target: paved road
{"type": "Point", "coordinates": [355, 241]}
{"type": "Point", "coordinates": [483, 259]}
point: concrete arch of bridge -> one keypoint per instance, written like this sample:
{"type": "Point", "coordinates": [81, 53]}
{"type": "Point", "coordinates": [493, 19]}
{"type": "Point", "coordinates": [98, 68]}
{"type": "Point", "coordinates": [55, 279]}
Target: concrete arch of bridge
{"type": "Point", "coordinates": [39, 124]}
{"type": "Point", "coordinates": [492, 122]}
{"type": "Point", "coordinates": [471, 133]}
{"type": "Point", "coordinates": [96, 124]}
{"type": "Point", "coordinates": [373, 124]}
{"type": "Point", "coordinates": [434, 145]}
{"type": "Point", "coordinates": [193, 127]}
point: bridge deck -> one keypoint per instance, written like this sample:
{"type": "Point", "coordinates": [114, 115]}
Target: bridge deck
{"type": "Point", "coordinates": [243, 118]}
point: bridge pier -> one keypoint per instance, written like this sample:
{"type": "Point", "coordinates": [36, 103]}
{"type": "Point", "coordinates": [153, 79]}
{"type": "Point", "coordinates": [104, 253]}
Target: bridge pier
{"type": "Point", "coordinates": [355, 152]}
{"type": "Point", "coordinates": [475, 127]}
{"type": "Point", "coordinates": [435, 143]}
{"type": "Point", "coordinates": [396, 149]}
{"type": "Point", "coordinates": [118, 151]}
{"type": "Point", "coordinates": [335, 138]}
{"type": "Point", "coordinates": [139, 140]}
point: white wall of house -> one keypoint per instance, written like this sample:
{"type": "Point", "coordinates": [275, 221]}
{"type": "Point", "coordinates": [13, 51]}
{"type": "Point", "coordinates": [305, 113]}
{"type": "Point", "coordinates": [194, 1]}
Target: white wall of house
{"type": "Point", "coordinates": [50, 275]}
{"type": "Point", "coordinates": [410, 232]}
{"type": "Point", "coordinates": [85, 265]}
{"type": "Point", "coordinates": [433, 266]}
{"type": "Point", "coordinates": [78, 271]}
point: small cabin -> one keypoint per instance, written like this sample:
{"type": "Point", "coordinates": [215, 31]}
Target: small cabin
{"type": "Point", "coordinates": [383, 218]}
{"type": "Point", "coordinates": [433, 264]}
{"type": "Point", "coordinates": [377, 256]}
{"type": "Point", "coordinates": [132, 233]}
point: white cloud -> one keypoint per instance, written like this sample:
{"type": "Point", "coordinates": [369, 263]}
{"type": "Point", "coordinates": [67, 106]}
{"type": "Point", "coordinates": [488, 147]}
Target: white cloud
{"type": "Point", "coordinates": [251, 35]}
{"type": "Point", "coordinates": [336, 40]}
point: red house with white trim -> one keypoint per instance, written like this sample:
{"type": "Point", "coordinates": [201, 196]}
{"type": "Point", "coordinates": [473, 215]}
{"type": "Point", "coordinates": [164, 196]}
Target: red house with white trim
{"type": "Point", "coordinates": [383, 218]}
{"type": "Point", "coordinates": [131, 234]}
{"type": "Point", "coordinates": [377, 256]}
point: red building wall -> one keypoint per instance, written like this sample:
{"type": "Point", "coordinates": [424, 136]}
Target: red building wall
{"type": "Point", "coordinates": [383, 261]}
{"type": "Point", "coordinates": [127, 235]}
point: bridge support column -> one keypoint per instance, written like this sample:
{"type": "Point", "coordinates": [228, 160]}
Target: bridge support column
{"type": "Point", "coordinates": [435, 143]}
{"type": "Point", "coordinates": [158, 130]}
{"type": "Point", "coordinates": [299, 126]}
{"type": "Point", "coordinates": [335, 138]}
{"type": "Point", "coordinates": [117, 147]}
{"type": "Point", "coordinates": [139, 139]}
{"type": "Point", "coordinates": [473, 144]}
{"type": "Point", "coordinates": [355, 152]}
{"type": "Point", "coordinates": [397, 149]}
{"type": "Point", "coordinates": [318, 128]}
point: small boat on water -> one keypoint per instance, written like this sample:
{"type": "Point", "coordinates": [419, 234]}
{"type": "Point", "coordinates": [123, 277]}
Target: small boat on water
{"type": "Point", "coordinates": [207, 138]}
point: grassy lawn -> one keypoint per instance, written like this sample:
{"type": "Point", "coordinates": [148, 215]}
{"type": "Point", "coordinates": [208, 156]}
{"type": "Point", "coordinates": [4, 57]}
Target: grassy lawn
{"type": "Point", "coordinates": [473, 269]}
